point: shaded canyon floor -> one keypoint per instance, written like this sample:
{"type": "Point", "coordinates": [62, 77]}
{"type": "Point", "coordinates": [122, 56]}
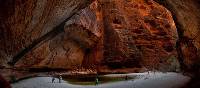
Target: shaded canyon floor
{"type": "Point", "coordinates": [140, 80]}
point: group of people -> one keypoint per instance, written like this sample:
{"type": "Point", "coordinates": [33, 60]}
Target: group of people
{"type": "Point", "coordinates": [54, 78]}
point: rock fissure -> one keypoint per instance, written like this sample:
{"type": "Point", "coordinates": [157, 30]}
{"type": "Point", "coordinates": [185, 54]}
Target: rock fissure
{"type": "Point", "coordinates": [57, 30]}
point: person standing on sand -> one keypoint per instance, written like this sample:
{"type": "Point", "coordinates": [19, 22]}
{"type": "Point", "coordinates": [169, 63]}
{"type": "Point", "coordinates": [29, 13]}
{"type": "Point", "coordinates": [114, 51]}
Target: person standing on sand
{"type": "Point", "coordinates": [97, 80]}
{"type": "Point", "coordinates": [60, 78]}
{"type": "Point", "coordinates": [126, 77]}
{"type": "Point", "coordinates": [53, 78]}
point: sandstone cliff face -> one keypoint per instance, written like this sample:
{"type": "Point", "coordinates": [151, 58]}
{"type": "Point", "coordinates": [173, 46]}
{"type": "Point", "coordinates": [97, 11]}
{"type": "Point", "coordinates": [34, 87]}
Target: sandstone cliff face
{"type": "Point", "coordinates": [77, 46]}
{"type": "Point", "coordinates": [26, 25]}
{"type": "Point", "coordinates": [138, 33]}
{"type": "Point", "coordinates": [187, 18]}
{"type": "Point", "coordinates": [113, 33]}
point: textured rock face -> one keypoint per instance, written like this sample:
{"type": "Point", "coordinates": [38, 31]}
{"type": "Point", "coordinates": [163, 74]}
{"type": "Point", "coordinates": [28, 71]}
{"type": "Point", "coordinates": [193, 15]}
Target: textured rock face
{"type": "Point", "coordinates": [187, 18]}
{"type": "Point", "coordinates": [114, 33]}
{"type": "Point", "coordinates": [76, 46]}
{"type": "Point", "coordinates": [25, 25]}
{"type": "Point", "coordinates": [138, 33]}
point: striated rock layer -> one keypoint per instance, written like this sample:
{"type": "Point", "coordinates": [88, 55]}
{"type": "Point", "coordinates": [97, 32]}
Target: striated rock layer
{"type": "Point", "coordinates": [64, 34]}
{"type": "Point", "coordinates": [187, 18]}
{"type": "Point", "coordinates": [27, 25]}
{"type": "Point", "coordinates": [76, 46]}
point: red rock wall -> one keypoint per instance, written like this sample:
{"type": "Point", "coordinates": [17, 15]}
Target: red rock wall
{"type": "Point", "coordinates": [77, 46]}
{"type": "Point", "coordinates": [26, 24]}
{"type": "Point", "coordinates": [113, 33]}
{"type": "Point", "coordinates": [187, 18]}
{"type": "Point", "coordinates": [138, 33]}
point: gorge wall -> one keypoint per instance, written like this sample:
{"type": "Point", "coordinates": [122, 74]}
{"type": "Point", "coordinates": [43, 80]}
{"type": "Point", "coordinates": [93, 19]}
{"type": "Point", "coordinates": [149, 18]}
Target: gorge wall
{"type": "Point", "coordinates": [71, 34]}
{"type": "Point", "coordinates": [26, 26]}
{"type": "Point", "coordinates": [138, 33]}
{"type": "Point", "coordinates": [187, 19]}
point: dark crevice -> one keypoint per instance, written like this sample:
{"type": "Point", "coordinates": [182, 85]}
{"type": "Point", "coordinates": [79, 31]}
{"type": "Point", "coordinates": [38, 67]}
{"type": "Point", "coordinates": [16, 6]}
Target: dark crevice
{"type": "Point", "coordinates": [116, 21]}
{"type": "Point", "coordinates": [194, 68]}
{"type": "Point", "coordinates": [56, 30]}
{"type": "Point", "coordinates": [179, 31]}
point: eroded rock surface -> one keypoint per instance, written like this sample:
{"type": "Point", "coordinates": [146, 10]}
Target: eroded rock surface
{"type": "Point", "coordinates": [26, 25]}
{"type": "Point", "coordinates": [76, 45]}
{"type": "Point", "coordinates": [138, 33]}
{"type": "Point", "coordinates": [112, 33]}
{"type": "Point", "coordinates": [187, 18]}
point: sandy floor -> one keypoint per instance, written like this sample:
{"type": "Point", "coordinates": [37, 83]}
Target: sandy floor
{"type": "Point", "coordinates": [142, 80]}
